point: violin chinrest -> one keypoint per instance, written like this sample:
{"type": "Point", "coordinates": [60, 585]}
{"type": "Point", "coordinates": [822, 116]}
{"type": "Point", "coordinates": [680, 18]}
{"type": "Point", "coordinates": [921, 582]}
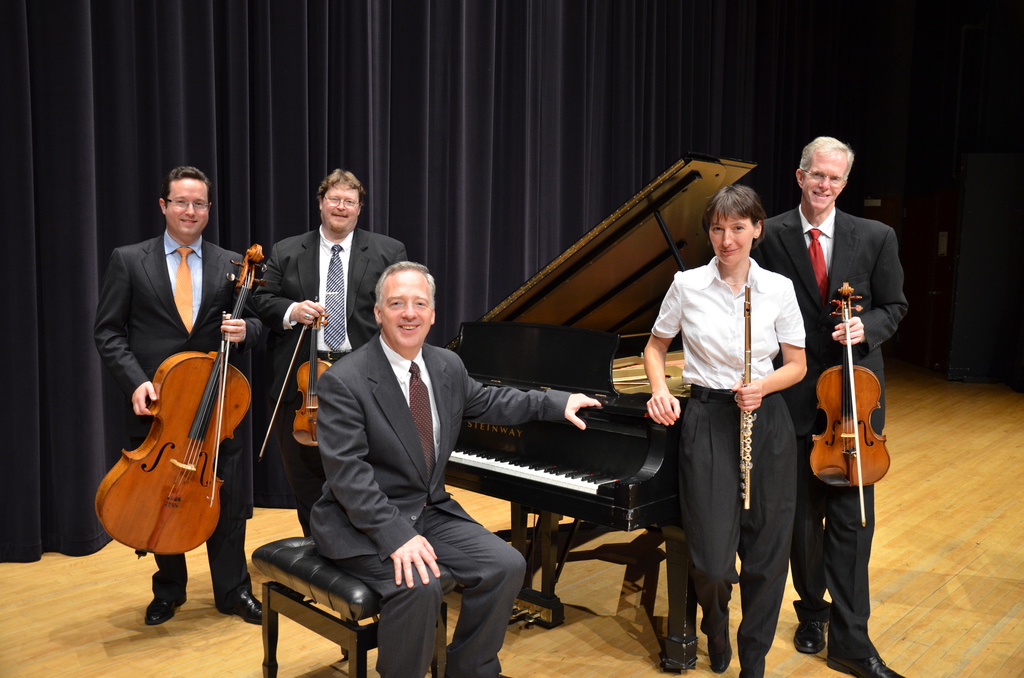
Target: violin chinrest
{"type": "Point", "coordinates": [834, 476]}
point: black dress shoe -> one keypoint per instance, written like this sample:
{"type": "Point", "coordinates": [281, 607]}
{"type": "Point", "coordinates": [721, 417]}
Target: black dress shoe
{"type": "Point", "coordinates": [810, 637]}
{"type": "Point", "coordinates": [160, 610]}
{"type": "Point", "coordinates": [720, 660]}
{"type": "Point", "coordinates": [247, 607]}
{"type": "Point", "coordinates": [871, 667]}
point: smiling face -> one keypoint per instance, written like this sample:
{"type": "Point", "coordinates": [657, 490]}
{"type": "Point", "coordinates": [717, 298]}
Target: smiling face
{"type": "Point", "coordinates": [185, 225]}
{"type": "Point", "coordinates": [339, 219]}
{"type": "Point", "coordinates": [732, 237]}
{"type": "Point", "coordinates": [818, 188]}
{"type": "Point", "coordinates": [407, 312]}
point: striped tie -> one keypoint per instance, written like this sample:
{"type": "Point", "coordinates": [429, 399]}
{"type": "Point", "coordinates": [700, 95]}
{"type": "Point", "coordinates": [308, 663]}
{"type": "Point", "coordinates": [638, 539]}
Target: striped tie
{"type": "Point", "coordinates": [334, 331]}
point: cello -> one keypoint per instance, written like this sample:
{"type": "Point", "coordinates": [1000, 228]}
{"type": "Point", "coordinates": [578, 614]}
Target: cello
{"type": "Point", "coordinates": [849, 452]}
{"type": "Point", "coordinates": [164, 496]}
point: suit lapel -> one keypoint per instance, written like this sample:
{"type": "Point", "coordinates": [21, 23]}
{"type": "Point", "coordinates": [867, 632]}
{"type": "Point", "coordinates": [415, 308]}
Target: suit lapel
{"type": "Point", "coordinates": [215, 261]}
{"type": "Point", "coordinates": [844, 251]}
{"type": "Point", "coordinates": [792, 237]}
{"type": "Point", "coordinates": [155, 265]}
{"type": "Point", "coordinates": [357, 263]}
{"type": "Point", "coordinates": [309, 266]}
{"type": "Point", "coordinates": [441, 385]}
{"type": "Point", "coordinates": [395, 408]}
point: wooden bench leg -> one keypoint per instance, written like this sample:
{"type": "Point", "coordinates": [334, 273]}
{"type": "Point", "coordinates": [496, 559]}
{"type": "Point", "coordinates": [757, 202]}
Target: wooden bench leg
{"type": "Point", "coordinates": [270, 626]}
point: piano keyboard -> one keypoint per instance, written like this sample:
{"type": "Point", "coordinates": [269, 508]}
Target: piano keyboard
{"type": "Point", "coordinates": [515, 465]}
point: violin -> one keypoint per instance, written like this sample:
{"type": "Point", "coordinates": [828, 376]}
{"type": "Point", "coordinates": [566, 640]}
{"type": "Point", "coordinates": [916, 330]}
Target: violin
{"type": "Point", "coordinates": [304, 425]}
{"type": "Point", "coordinates": [849, 452]}
{"type": "Point", "coordinates": [164, 496]}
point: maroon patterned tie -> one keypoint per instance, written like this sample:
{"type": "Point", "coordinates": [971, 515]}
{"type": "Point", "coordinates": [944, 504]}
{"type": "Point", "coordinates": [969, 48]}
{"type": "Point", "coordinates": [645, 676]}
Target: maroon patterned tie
{"type": "Point", "coordinates": [419, 403]}
{"type": "Point", "coordinates": [818, 264]}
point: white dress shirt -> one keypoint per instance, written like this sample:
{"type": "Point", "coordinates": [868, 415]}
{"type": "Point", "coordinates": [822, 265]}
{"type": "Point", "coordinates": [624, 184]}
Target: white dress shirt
{"type": "Point", "coordinates": [709, 315]}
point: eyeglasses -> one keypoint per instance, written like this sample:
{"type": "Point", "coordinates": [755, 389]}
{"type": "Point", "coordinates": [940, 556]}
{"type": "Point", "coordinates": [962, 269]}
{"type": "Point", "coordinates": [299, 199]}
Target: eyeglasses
{"type": "Point", "coordinates": [182, 205]}
{"type": "Point", "coordinates": [817, 177]}
{"type": "Point", "coordinates": [347, 203]}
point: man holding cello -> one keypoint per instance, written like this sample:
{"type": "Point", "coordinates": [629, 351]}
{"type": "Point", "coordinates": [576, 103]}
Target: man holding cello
{"type": "Point", "coordinates": [819, 248]}
{"type": "Point", "coordinates": [162, 297]}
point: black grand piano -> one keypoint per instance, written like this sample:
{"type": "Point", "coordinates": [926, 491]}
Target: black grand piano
{"type": "Point", "coordinates": [567, 328]}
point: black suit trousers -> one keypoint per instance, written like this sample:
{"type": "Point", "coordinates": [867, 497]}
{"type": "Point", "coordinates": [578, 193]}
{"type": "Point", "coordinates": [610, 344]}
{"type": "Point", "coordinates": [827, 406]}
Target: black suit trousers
{"type": "Point", "coordinates": [302, 467]}
{"type": "Point", "coordinates": [828, 539]}
{"type": "Point", "coordinates": [718, 528]}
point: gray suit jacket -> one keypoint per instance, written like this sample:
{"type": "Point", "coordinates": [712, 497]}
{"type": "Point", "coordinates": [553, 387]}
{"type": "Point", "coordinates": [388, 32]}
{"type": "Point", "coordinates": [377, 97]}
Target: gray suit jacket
{"type": "Point", "coordinates": [377, 484]}
{"type": "Point", "coordinates": [293, 274]}
{"type": "Point", "coordinates": [866, 255]}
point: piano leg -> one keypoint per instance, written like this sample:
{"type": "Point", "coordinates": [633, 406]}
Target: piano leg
{"type": "Point", "coordinates": [538, 607]}
{"type": "Point", "coordinates": [681, 636]}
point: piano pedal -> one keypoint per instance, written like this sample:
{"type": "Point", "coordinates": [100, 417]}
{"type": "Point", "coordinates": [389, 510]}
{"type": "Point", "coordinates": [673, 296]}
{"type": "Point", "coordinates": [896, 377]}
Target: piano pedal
{"type": "Point", "coordinates": [535, 608]}
{"type": "Point", "coordinates": [531, 620]}
{"type": "Point", "coordinates": [518, 614]}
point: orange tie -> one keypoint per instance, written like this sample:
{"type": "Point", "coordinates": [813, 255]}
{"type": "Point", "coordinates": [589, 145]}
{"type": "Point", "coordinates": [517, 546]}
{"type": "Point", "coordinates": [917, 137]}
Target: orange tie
{"type": "Point", "coordinates": [183, 288]}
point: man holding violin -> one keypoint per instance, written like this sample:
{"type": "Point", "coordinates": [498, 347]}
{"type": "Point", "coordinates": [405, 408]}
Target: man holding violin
{"type": "Point", "coordinates": [819, 248]}
{"type": "Point", "coordinates": [161, 297]}
{"type": "Point", "coordinates": [298, 291]}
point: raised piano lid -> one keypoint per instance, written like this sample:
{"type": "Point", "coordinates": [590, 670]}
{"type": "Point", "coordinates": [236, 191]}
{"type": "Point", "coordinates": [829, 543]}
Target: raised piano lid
{"type": "Point", "coordinates": [608, 285]}
{"type": "Point", "coordinates": [614, 278]}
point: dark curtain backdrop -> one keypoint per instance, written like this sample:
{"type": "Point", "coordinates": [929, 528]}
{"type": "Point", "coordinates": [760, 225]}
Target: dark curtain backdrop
{"type": "Point", "coordinates": [490, 135]}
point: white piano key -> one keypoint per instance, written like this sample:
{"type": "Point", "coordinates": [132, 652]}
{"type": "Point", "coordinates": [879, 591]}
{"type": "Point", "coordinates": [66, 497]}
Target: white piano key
{"type": "Point", "coordinates": [556, 479]}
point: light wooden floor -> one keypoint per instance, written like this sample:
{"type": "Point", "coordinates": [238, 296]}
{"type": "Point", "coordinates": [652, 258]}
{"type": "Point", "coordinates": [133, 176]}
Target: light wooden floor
{"type": "Point", "coordinates": [947, 577]}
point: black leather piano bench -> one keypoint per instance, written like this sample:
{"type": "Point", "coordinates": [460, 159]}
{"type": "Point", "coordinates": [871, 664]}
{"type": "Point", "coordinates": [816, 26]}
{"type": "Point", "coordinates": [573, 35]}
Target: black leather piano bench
{"type": "Point", "coordinates": [301, 577]}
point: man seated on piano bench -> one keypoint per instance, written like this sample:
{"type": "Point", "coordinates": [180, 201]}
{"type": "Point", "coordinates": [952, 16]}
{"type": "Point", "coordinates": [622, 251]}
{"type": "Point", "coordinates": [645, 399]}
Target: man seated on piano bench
{"type": "Point", "coordinates": [389, 416]}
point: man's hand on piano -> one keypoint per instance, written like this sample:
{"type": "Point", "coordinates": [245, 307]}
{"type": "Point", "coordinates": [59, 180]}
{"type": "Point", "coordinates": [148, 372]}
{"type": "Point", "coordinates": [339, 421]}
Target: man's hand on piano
{"type": "Point", "coordinates": [663, 407]}
{"type": "Point", "coordinates": [415, 553]}
{"type": "Point", "coordinates": [576, 401]}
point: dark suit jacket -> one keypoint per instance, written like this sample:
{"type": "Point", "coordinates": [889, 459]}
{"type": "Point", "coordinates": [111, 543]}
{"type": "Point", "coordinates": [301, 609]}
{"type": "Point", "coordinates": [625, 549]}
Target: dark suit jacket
{"type": "Point", "coordinates": [293, 274]}
{"type": "Point", "coordinates": [865, 254]}
{"type": "Point", "coordinates": [138, 327]}
{"type": "Point", "coordinates": [377, 482]}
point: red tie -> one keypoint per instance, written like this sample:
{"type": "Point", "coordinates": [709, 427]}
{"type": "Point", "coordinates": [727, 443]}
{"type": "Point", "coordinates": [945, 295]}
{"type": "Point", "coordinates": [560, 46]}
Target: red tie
{"type": "Point", "coordinates": [419, 403]}
{"type": "Point", "coordinates": [818, 264]}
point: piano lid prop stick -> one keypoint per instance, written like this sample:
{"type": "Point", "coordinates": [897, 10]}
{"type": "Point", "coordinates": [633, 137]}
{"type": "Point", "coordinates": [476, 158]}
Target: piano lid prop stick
{"type": "Point", "coordinates": [746, 418]}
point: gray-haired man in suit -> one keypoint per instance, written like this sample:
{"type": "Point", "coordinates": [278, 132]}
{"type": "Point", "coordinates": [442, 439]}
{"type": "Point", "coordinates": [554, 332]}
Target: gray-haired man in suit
{"type": "Point", "coordinates": [830, 547]}
{"type": "Point", "coordinates": [385, 515]}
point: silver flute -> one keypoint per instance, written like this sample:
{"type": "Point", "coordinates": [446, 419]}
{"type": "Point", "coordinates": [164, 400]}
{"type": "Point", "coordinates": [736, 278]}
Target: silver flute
{"type": "Point", "coordinates": [746, 418]}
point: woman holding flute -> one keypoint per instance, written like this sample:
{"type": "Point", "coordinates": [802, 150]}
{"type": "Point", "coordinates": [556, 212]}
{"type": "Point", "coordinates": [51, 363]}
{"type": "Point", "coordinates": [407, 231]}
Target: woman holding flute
{"type": "Point", "coordinates": [706, 306]}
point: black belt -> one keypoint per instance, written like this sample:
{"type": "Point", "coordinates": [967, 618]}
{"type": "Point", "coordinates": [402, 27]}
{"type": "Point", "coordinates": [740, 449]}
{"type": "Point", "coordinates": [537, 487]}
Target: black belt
{"type": "Point", "coordinates": [332, 356]}
{"type": "Point", "coordinates": [712, 395]}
